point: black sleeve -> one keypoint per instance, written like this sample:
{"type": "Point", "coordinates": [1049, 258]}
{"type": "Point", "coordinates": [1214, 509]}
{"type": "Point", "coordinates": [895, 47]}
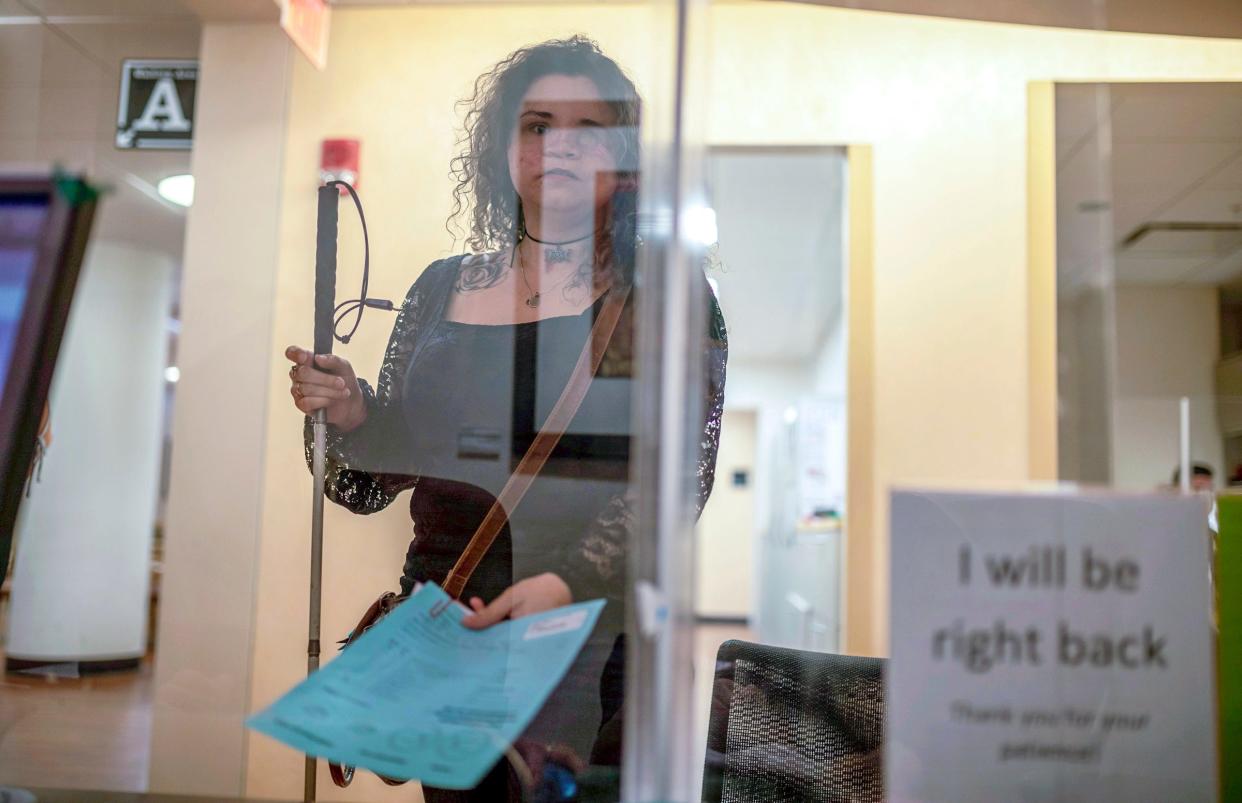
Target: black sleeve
{"type": "Point", "coordinates": [369, 466]}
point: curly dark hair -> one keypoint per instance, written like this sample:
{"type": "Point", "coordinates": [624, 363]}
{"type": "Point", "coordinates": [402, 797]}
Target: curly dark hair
{"type": "Point", "coordinates": [484, 194]}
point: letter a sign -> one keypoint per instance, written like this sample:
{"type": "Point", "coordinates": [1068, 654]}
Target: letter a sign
{"type": "Point", "coordinates": [156, 110]}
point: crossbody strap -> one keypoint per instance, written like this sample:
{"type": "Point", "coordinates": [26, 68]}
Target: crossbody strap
{"type": "Point", "coordinates": [541, 449]}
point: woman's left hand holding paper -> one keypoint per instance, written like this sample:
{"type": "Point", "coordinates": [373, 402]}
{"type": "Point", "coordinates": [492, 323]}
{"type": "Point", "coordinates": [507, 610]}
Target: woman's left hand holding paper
{"type": "Point", "coordinates": [543, 592]}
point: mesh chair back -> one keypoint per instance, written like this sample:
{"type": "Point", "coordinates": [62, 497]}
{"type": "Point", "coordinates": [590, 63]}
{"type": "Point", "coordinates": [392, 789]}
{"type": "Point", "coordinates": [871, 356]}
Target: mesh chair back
{"type": "Point", "coordinates": [789, 725]}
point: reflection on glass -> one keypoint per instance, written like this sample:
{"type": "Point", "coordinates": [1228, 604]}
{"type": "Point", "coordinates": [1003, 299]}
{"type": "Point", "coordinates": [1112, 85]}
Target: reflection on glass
{"type": "Point", "coordinates": [481, 353]}
{"type": "Point", "coordinates": [1149, 262]}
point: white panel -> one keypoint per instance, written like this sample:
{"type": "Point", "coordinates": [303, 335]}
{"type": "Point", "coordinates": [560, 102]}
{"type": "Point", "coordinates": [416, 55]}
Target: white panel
{"type": "Point", "coordinates": [84, 558]}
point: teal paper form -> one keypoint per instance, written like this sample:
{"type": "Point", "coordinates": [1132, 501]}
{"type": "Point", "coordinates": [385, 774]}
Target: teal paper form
{"type": "Point", "coordinates": [420, 696]}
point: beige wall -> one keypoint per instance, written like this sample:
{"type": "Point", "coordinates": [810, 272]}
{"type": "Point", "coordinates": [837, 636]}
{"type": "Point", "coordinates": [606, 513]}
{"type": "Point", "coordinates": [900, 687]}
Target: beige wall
{"type": "Point", "coordinates": [727, 531]}
{"type": "Point", "coordinates": [941, 106]}
{"type": "Point", "coordinates": [218, 489]}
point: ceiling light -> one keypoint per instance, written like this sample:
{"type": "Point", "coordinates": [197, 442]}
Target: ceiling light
{"type": "Point", "coordinates": [177, 189]}
{"type": "Point", "coordinates": [172, 373]}
{"type": "Point", "coordinates": [700, 223]}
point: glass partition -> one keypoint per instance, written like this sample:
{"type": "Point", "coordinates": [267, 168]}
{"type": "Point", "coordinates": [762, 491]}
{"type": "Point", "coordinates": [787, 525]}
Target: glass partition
{"type": "Point", "coordinates": [82, 590]}
{"type": "Point", "coordinates": [654, 304]}
{"type": "Point", "coordinates": [508, 319]}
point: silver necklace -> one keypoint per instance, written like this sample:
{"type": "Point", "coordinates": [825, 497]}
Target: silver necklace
{"type": "Point", "coordinates": [532, 300]}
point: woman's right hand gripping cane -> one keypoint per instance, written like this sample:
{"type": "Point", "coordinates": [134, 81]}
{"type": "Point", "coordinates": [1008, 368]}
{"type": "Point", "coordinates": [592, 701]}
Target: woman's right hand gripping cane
{"type": "Point", "coordinates": [326, 382]}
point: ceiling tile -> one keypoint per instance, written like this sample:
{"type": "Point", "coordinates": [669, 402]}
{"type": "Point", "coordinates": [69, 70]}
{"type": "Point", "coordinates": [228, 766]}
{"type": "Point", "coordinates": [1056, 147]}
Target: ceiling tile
{"type": "Point", "coordinates": [1078, 113]}
{"type": "Point", "coordinates": [1178, 112]}
{"type": "Point", "coordinates": [110, 8]}
{"type": "Point", "coordinates": [109, 45]}
{"type": "Point", "coordinates": [19, 112]}
{"type": "Point", "coordinates": [1168, 166]}
{"type": "Point", "coordinates": [1206, 244]}
{"type": "Point", "coordinates": [21, 55]}
{"type": "Point", "coordinates": [1221, 271]}
{"type": "Point", "coordinates": [1229, 176]}
{"type": "Point", "coordinates": [1133, 208]}
{"type": "Point", "coordinates": [17, 152]}
{"type": "Point", "coordinates": [67, 64]}
{"type": "Point", "coordinates": [12, 8]}
{"type": "Point", "coordinates": [1205, 205]}
{"type": "Point", "coordinates": [1155, 269]}
{"type": "Point", "coordinates": [72, 154]}
{"type": "Point", "coordinates": [791, 197]}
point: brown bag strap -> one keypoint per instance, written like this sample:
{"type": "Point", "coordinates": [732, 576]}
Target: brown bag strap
{"type": "Point", "coordinates": [541, 449]}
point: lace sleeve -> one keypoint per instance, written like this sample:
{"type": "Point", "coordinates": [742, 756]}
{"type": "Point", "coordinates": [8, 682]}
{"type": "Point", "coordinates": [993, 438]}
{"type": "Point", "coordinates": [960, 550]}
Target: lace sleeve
{"type": "Point", "coordinates": [597, 562]}
{"type": "Point", "coordinates": [716, 358]}
{"type": "Point", "coordinates": [368, 467]}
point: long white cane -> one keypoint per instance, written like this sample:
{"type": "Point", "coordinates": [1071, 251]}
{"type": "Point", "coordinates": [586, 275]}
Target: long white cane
{"type": "Point", "coordinates": [325, 301]}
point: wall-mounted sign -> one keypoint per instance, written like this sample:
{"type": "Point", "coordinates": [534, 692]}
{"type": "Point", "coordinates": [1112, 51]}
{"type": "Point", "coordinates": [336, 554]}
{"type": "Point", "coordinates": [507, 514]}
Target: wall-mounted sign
{"type": "Point", "coordinates": [156, 110]}
{"type": "Point", "coordinates": [1050, 647]}
{"type": "Point", "coordinates": [306, 23]}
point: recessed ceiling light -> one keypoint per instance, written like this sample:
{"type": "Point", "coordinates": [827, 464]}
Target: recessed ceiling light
{"type": "Point", "coordinates": [700, 223]}
{"type": "Point", "coordinates": [177, 189]}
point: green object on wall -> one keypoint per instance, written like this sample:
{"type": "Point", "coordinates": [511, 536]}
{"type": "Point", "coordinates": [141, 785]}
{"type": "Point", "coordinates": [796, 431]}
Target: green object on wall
{"type": "Point", "coordinates": [1229, 655]}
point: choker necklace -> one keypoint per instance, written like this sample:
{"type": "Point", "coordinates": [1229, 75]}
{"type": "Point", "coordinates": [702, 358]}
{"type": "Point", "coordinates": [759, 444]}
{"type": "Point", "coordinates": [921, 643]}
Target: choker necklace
{"type": "Point", "coordinates": [556, 253]}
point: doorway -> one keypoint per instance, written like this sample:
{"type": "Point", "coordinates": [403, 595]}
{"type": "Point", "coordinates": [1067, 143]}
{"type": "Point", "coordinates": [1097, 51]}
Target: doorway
{"type": "Point", "coordinates": [771, 538]}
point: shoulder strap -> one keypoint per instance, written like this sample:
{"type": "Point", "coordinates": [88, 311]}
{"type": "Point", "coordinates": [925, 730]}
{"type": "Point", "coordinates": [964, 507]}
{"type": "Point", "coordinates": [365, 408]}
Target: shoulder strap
{"type": "Point", "coordinates": [541, 449]}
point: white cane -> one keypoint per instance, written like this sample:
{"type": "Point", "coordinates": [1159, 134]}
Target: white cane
{"type": "Point", "coordinates": [325, 301]}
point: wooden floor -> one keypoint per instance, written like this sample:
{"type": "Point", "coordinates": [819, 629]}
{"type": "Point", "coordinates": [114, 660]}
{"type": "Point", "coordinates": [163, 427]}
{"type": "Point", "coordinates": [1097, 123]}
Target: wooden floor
{"type": "Point", "coordinates": [707, 640]}
{"type": "Point", "coordinates": [81, 796]}
{"type": "Point", "coordinates": [94, 733]}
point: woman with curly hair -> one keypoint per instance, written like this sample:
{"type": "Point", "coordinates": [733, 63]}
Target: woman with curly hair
{"type": "Point", "coordinates": [483, 344]}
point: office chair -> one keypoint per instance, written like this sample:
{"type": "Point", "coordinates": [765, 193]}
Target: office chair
{"type": "Point", "coordinates": [789, 725]}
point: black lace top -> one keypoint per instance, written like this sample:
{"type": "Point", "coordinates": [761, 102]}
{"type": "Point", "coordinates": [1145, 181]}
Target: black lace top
{"type": "Point", "coordinates": [369, 466]}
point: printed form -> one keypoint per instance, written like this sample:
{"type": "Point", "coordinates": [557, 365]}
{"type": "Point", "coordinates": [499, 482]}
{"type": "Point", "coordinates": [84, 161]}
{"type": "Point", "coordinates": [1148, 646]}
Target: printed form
{"type": "Point", "coordinates": [420, 696]}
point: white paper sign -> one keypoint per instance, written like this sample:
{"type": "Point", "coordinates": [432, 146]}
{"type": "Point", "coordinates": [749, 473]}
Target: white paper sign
{"type": "Point", "coordinates": [1050, 648]}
